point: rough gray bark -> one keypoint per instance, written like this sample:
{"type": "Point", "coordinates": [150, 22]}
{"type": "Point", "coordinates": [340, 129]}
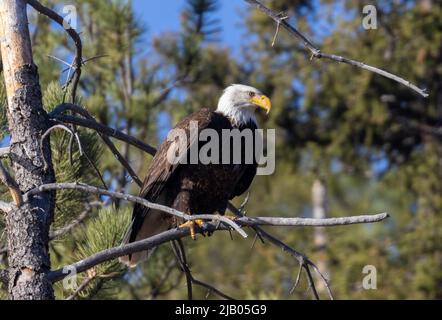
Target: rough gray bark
{"type": "Point", "coordinates": [28, 226]}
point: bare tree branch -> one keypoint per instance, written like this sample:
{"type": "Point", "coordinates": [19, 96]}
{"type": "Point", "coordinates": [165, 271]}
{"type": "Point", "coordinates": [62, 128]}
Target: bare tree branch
{"type": "Point", "coordinates": [57, 113]}
{"type": "Point", "coordinates": [169, 235]}
{"type": "Point", "coordinates": [303, 261]}
{"type": "Point", "coordinates": [91, 276]}
{"type": "Point", "coordinates": [77, 221]}
{"type": "Point", "coordinates": [78, 60]}
{"type": "Point", "coordinates": [103, 129]}
{"type": "Point", "coordinates": [180, 254]}
{"type": "Point", "coordinates": [316, 53]}
{"type": "Point", "coordinates": [310, 222]}
{"type": "Point", "coordinates": [128, 197]}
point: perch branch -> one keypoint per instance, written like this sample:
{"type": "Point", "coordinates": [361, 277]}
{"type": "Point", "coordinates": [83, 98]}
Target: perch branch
{"type": "Point", "coordinates": [156, 240]}
{"type": "Point", "coordinates": [310, 222]}
{"type": "Point", "coordinates": [128, 197]}
{"type": "Point", "coordinates": [316, 53]}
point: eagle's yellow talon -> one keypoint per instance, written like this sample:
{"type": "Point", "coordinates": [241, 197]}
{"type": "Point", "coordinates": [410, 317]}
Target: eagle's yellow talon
{"type": "Point", "coordinates": [191, 225]}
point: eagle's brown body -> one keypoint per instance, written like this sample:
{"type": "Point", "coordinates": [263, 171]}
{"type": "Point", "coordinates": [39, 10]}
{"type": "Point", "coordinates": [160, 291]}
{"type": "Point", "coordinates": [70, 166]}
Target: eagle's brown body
{"type": "Point", "coordinates": [189, 188]}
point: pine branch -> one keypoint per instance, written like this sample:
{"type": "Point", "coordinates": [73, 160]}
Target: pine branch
{"type": "Point", "coordinates": [316, 53]}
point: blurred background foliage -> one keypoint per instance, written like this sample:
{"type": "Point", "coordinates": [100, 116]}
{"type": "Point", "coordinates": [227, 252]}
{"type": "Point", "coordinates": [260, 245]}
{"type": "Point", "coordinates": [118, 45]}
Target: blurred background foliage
{"type": "Point", "coordinates": [375, 144]}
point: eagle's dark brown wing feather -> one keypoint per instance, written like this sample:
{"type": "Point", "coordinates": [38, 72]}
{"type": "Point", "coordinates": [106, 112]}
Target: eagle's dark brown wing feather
{"type": "Point", "coordinates": [161, 170]}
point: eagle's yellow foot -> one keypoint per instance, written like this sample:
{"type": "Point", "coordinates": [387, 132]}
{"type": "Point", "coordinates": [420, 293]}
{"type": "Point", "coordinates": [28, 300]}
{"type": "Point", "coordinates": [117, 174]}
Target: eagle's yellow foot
{"type": "Point", "coordinates": [231, 217]}
{"type": "Point", "coordinates": [191, 225]}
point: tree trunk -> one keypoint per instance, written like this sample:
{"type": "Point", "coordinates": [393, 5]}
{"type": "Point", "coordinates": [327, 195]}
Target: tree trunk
{"type": "Point", "coordinates": [28, 226]}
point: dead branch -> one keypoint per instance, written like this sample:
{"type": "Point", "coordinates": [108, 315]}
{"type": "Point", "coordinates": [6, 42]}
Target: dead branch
{"type": "Point", "coordinates": [311, 222]}
{"type": "Point", "coordinates": [180, 254]}
{"type": "Point", "coordinates": [100, 128]}
{"type": "Point", "coordinates": [303, 261]}
{"type": "Point", "coordinates": [128, 197]}
{"type": "Point", "coordinates": [91, 276]}
{"type": "Point", "coordinates": [316, 53]}
{"type": "Point", "coordinates": [170, 235]}
{"type": "Point", "coordinates": [77, 109]}
{"type": "Point", "coordinates": [76, 222]}
{"type": "Point", "coordinates": [78, 60]}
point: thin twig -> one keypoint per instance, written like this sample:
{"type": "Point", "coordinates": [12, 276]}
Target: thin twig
{"type": "Point", "coordinates": [81, 287]}
{"type": "Point", "coordinates": [311, 283]}
{"type": "Point", "coordinates": [301, 258]}
{"type": "Point", "coordinates": [298, 277]}
{"type": "Point", "coordinates": [182, 260]}
{"type": "Point", "coordinates": [77, 221]}
{"type": "Point", "coordinates": [316, 53]}
{"type": "Point", "coordinates": [65, 128]}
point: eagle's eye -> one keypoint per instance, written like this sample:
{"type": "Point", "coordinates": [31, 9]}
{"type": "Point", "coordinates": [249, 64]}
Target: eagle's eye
{"type": "Point", "coordinates": [251, 94]}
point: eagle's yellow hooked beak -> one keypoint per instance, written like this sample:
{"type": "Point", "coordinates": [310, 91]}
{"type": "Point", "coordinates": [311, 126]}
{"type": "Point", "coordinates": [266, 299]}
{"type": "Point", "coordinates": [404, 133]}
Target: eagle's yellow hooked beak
{"type": "Point", "coordinates": [262, 101]}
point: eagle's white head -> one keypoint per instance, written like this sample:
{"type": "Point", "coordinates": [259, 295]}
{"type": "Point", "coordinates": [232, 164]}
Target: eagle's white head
{"type": "Point", "coordinates": [239, 103]}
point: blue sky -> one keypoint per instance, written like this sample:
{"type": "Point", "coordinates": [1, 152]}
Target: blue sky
{"type": "Point", "coordinates": [164, 15]}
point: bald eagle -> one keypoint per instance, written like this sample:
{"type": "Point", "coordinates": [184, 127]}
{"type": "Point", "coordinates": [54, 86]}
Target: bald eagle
{"type": "Point", "coordinates": [197, 188]}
